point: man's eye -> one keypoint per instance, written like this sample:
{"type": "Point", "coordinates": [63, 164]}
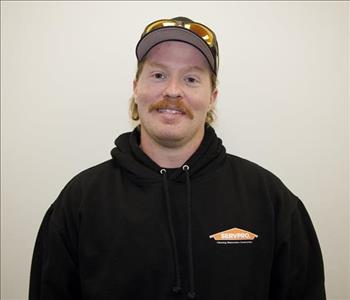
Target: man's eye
{"type": "Point", "coordinates": [158, 75]}
{"type": "Point", "coordinates": [192, 80]}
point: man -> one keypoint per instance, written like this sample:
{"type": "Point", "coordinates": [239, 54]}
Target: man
{"type": "Point", "coordinates": [172, 215]}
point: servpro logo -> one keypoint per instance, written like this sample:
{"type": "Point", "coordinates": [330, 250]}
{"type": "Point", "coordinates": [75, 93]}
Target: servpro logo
{"type": "Point", "coordinates": [234, 236]}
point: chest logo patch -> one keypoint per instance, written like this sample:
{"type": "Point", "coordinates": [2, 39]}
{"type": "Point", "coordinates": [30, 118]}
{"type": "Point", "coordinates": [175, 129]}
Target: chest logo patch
{"type": "Point", "coordinates": [234, 236]}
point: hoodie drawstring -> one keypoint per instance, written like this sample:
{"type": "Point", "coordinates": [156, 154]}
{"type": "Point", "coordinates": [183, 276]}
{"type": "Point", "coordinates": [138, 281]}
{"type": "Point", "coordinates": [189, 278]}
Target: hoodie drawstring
{"type": "Point", "coordinates": [177, 288]}
{"type": "Point", "coordinates": [191, 294]}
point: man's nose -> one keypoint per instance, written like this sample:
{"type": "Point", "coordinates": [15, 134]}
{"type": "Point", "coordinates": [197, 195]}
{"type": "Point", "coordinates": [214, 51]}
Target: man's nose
{"type": "Point", "coordinates": [173, 89]}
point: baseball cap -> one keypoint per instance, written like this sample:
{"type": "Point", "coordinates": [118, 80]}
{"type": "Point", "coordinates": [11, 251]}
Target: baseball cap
{"type": "Point", "coordinates": [180, 29]}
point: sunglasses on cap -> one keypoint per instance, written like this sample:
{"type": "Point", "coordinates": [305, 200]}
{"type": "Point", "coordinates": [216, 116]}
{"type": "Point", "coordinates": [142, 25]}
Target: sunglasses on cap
{"type": "Point", "coordinates": [199, 29]}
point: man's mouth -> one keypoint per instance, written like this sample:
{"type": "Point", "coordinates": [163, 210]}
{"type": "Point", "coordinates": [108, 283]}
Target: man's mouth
{"type": "Point", "coordinates": [171, 108]}
{"type": "Point", "coordinates": [170, 111]}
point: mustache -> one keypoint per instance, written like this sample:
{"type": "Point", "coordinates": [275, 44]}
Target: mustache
{"type": "Point", "coordinates": [171, 104]}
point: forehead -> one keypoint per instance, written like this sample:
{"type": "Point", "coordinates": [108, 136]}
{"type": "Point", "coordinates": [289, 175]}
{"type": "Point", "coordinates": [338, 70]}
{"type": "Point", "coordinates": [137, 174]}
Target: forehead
{"type": "Point", "coordinates": [177, 54]}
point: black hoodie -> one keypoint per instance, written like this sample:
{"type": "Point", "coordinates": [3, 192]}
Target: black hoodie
{"type": "Point", "coordinates": [218, 228]}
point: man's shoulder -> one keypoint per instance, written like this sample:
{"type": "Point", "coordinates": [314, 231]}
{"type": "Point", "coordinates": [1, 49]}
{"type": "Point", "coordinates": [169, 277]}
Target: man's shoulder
{"type": "Point", "coordinates": [96, 171]}
{"type": "Point", "coordinates": [82, 183]}
{"type": "Point", "coordinates": [241, 164]}
{"type": "Point", "coordinates": [90, 176]}
{"type": "Point", "coordinates": [255, 175]}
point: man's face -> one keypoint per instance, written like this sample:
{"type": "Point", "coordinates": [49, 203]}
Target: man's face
{"type": "Point", "coordinates": [174, 94]}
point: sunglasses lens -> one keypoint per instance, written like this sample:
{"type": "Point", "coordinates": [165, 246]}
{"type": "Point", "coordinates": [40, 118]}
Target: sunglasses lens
{"type": "Point", "coordinates": [159, 24]}
{"type": "Point", "coordinates": [202, 31]}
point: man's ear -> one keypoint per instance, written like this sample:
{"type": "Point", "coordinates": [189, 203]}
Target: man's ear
{"type": "Point", "coordinates": [134, 83]}
{"type": "Point", "coordinates": [213, 98]}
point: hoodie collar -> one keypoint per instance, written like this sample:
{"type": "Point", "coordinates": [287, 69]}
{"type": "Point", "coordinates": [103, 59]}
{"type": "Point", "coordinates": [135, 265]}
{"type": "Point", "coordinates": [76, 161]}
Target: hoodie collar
{"type": "Point", "coordinates": [128, 154]}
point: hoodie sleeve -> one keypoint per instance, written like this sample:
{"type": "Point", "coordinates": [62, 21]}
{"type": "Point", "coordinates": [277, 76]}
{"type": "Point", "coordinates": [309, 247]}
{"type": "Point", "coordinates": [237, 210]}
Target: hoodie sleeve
{"type": "Point", "coordinates": [54, 270]}
{"type": "Point", "coordinates": [297, 272]}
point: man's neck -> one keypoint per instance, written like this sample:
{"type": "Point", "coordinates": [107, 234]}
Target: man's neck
{"type": "Point", "coordinates": [169, 157]}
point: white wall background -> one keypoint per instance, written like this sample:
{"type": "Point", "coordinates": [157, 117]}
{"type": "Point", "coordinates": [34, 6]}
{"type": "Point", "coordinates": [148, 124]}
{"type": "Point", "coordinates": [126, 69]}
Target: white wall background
{"type": "Point", "coordinates": [66, 78]}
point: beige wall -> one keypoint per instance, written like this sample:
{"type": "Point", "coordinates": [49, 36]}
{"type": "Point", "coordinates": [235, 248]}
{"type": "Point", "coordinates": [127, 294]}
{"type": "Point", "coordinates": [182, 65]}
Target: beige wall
{"type": "Point", "coordinates": [67, 69]}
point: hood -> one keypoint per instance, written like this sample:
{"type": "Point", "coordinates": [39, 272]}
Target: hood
{"type": "Point", "coordinates": [128, 155]}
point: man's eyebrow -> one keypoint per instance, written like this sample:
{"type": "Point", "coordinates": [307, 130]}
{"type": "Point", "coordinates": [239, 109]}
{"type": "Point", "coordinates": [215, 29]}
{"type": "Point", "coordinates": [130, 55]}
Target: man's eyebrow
{"type": "Point", "coordinates": [157, 65]}
{"type": "Point", "coordinates": [195, 68]}
{"type": "Point", "coordinates": [187, 69]}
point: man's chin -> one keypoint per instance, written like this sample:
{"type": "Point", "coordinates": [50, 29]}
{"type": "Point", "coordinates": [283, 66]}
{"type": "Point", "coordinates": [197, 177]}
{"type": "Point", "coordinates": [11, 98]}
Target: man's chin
{"type": "Point", "coordinates": [168, 135]}
{"type": "Point", "coordinates": [170, 139]}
